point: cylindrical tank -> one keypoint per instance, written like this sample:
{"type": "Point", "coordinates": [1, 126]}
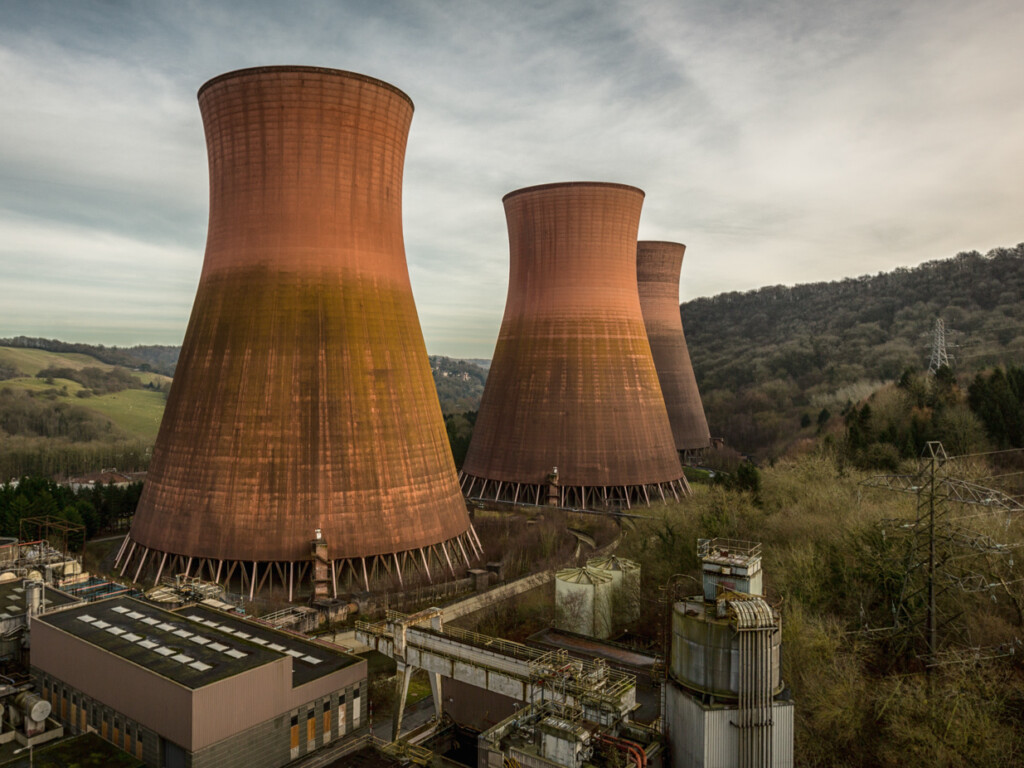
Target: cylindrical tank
{"type": "Point", "coordinates": [658, 265]}
{"type": "Point", "coordinates": [572, 383]}
{"type": "Point", "coordinates": [34, 594]}
{"type": "Point", "coordinates": [705, 652]}
{"type": "Point", "coordinates": [32, 706]}
{"type": "Point", "coordinates": [303, 397]}
{"type": "Point", "coordinates": [583, 601]}
{"type": "Point", "coordinates": [625, 575]}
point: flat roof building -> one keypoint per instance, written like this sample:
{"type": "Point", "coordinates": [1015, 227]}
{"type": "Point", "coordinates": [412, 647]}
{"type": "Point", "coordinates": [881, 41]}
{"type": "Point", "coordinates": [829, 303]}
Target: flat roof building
{"type": "Point", "coordinates": [195, 687]}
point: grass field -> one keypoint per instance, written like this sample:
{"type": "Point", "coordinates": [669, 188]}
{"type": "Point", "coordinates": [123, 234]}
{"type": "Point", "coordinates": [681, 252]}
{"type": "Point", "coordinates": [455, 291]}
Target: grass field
{"type": "Point", "coordinates": [137, 412]}
{"type": "Point", "coordinates": [32, 361]}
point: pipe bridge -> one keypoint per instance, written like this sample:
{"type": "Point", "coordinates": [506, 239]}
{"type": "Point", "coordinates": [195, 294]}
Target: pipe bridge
{"type": "Point", "coordinates": [421, 641]}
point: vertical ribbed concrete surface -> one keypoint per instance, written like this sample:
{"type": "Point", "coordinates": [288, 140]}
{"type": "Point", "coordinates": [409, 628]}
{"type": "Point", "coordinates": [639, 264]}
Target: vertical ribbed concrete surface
{"type": "Point", "coordinates": [658, 265]}
{"type": "Point", "coordinates": [303, 397]}
{"type": "Point", "coordinates": [572, 384]}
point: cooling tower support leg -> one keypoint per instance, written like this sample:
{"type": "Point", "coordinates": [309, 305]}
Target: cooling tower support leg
{"type": "Point", "coordinates": [366, 577]}
{"type": "Point", "coordinates": [425, 566]}
{"type": "Point", "coordinates": [120, 552]}
{"type": "Point", "coordinates": [448, 559]}
{"type": "Point", "coordinates": [160, 569]}
{"type": "Point", "coordinates": [252, 582]}
{"type": "Point", "coordinates": [128, 559]}
{"type": "Point", "coordinates": [142, 562]}
{"type": "Point", "coordinates": [291, 580]}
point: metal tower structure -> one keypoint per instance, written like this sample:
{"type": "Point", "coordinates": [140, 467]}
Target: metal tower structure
{"type": "Point", "coordinates": [939, 550]}
{"type": "Point", "coordinates": [939, 357]}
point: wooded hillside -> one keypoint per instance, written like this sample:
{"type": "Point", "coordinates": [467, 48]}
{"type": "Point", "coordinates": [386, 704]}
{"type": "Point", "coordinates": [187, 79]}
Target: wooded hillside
{"type": "Point", "coordinates": [768, 362]}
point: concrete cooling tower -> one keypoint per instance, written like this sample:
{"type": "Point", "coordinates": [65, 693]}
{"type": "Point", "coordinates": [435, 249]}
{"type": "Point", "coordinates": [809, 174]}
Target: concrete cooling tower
{"type": "Point", "coordinates": [303, 416]}
{"type": "Point", "coordinates": [572, 413]}
{"type": "Point", "coordinates": [658, 266]}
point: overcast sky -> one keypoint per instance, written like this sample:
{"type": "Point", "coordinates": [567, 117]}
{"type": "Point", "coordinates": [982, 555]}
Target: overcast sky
{"type": "Point", "coordinates": [784, 141]}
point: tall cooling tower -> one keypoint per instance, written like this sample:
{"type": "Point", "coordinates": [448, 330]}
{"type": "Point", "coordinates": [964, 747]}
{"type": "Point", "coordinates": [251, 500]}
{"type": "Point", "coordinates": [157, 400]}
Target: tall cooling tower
{"type": "Point", "coordinates": [658, 266]}
{"type": "Point", "coordinates": [572, 413]}
{"type": "Point", "coordinates": [303, 407]}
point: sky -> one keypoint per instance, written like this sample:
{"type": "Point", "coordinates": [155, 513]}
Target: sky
{"type": "Point", "coordinates": [783, 141]}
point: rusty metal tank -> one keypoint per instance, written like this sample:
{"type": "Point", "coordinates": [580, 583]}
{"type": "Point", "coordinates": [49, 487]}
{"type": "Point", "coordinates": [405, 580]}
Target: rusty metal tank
{"type": "Point", "coordinates": [303, 397]}
{"type": "Point", "coordinates": [572, 413]}
{"type": "Point", "coordinates": [658, 265]}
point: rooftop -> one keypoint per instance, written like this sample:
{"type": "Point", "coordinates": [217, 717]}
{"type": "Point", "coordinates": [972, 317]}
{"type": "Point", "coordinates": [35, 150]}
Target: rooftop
{"type": "Point", "coordinates": [194, 646]}
{"type": "Point", "coordinates": [12, 599]}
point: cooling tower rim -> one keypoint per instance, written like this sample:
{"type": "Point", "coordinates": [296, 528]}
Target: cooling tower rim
{"type": "Point", "coordinates": [571, 184]}
{"type": "Point", "coordinates": [296, 68]}
{"type": "Point", "coordinates": [673, 243]}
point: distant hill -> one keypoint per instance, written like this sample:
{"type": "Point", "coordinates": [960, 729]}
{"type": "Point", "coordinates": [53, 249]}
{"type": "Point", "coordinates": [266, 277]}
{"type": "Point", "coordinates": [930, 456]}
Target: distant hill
{"type": "Point", "coordinates": [157, 358]}
{"type": "Point", "coordinates": [769, 359]}
{"type": "Point", "coordinates": [460, 383]}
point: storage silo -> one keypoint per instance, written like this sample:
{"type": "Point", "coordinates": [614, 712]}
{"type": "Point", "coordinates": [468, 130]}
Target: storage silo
{"type": "Point", "coordinates": [572, 412]}
{"type": "Point", "coordinates": [625, 575]}
{"type": "Point", "coordinates": [303, 399]}
{"type": "Point", "coordinates": [725, 701]}
{"type": "Point", "coordinates": [583, 602]}
{"type": "Point", "coordinates": [658, 266]}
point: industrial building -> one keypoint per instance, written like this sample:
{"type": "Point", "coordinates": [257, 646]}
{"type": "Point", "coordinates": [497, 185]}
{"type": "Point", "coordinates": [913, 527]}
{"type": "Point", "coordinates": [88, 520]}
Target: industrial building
{"type": "Point", "coordinates": [196, 687]}
{"type": "Point", "coordinates": [725, 702]}
{"type": "Point", "coordinates": [658, 265]}
{"type": "Point", "coordinates": [20, 599]}
{"type": "Point", "coordinates": [303, 403]}
{"type": "Point", "coordinates": [572, 413]}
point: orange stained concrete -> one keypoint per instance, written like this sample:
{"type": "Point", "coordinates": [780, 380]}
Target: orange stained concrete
{"type": "Point", "coordinates": [572, 383]}
{"type": "Point", "coordinates": [658, 265]}
{"type": "Point", "coordinates": [303, 396]}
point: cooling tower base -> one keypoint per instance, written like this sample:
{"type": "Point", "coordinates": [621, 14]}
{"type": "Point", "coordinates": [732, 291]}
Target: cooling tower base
{"type": "Point", "coordinates": [433, 563]}
{"type": "Point", "coordinates": [573, 496]}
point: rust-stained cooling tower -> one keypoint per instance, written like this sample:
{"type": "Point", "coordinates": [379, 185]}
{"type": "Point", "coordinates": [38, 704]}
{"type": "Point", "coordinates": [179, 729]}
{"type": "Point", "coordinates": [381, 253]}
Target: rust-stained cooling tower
{"type": "Point", "coordinates": [303, 409]}
{"type": "Point", "coordinates": [572, 384]}
{"type": "Point", "coordinates": [658, 266]}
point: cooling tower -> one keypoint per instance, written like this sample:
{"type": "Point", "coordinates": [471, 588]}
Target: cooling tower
{"type": "Point", "coordinates": [303, 408]}
{"type": "Point", "coordinates": [658, 266]}
{"type": "Point", "coordinates": [572, 413]}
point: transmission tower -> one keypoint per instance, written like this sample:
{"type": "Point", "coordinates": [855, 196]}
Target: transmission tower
{"type": "Point", "coordinates": [939, 355]}
{"type": "Point", "coordinates": [939, 551]}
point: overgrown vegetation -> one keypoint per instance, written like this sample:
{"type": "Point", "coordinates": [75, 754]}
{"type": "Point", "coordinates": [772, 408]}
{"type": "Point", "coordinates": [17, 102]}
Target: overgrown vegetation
{"type": "Point", "coordinates": [863, 698]}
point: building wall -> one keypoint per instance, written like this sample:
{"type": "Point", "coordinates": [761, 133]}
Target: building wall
{"type": "Point", "coordinates": [195, 719]}
{"type": "Point", "coordinates": [702, 737]}
{"type": "Point", "coordinates": [155, 702]}
{"type": "Point", "coordinates": [267, 744]}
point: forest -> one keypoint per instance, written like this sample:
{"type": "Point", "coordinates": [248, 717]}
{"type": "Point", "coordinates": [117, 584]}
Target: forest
{"type": "Point", "coordinates": [777, 364]}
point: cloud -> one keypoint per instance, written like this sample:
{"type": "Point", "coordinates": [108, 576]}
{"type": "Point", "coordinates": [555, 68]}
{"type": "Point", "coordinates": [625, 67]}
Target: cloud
{"type": "Point", "coordinates": [784, 142]}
